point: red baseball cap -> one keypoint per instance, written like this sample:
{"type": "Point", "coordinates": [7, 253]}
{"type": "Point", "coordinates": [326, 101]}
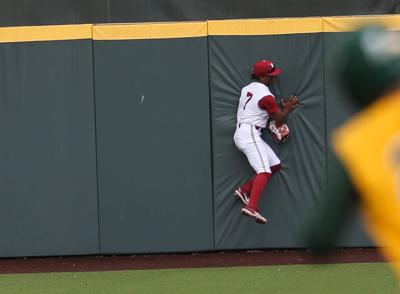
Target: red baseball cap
{"type": "Point", "coordinates": [264, 68]}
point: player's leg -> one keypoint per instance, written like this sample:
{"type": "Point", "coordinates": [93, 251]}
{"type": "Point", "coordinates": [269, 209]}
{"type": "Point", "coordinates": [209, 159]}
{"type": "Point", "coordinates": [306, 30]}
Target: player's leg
{"type": "Point", "coordinates": [257, 154]}
{"type": "Point", "coordinates": [263, 175]}
{"type": "Point", "coordinates": [259, 184]}
{"type": "Point", "coordinates": [243, 192]}
{"type": "Point", "coordinates": [246, 187]}
{"type": "Point", "coordinates": [242, 139]}
{"type": "Point", "coordinates": [251, 209]}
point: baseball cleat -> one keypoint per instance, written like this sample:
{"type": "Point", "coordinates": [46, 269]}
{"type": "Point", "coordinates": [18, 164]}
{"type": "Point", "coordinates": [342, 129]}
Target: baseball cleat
{"type": "Point", "coordinates": [253, 213]}
{"type": "Point", "coordinates": [242, 196]}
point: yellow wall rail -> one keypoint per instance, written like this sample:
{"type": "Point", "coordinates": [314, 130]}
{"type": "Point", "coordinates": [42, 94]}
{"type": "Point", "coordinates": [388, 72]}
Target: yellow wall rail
{"type": "Point", "coordinates": [170, 30]}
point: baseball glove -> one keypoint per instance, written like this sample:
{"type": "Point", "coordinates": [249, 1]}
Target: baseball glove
{"type": "Point", "coordinates": [281, 133]}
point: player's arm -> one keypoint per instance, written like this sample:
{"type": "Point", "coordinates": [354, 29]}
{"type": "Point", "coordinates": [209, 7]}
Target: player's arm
{"type": "Point", "coordinates": [268, 103]}
{"type": "Point", "coordinates": [287, 107]}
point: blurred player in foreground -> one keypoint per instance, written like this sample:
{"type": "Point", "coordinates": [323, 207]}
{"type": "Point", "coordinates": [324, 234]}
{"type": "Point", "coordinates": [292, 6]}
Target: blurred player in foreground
{"type": "Point", "coordinates": [366, 171]}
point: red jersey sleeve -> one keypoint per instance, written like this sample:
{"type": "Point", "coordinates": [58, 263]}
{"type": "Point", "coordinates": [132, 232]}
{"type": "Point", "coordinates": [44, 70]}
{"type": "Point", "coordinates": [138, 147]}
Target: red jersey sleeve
{"type": "Point", "coordinates": [268, 103]}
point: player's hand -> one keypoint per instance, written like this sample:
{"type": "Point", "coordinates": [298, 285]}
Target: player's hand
{"type": "Point", "coordinates": [291, 103]}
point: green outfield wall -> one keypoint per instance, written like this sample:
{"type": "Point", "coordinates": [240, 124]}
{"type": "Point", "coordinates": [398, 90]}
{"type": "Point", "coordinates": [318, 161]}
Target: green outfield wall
{"type": "Point", "coordinates": [301, 181]}
{"type": "Point", "coordinates": [118, 138]}
{"type": "Point", "coordinates": [153, 138]}
{"type": "Point", "coordinates": [48, 187]}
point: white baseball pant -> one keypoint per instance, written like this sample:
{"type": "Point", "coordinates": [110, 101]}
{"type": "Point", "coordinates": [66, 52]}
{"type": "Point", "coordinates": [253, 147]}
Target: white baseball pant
{"type": "Point", "coordinates": [259, 154]}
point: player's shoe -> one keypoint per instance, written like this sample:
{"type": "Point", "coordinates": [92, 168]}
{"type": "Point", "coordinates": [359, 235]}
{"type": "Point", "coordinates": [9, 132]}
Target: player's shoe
{"type": "Point", "coordinates": [253, 213]}
{"type": "Point", "coordinates": [242, 196]}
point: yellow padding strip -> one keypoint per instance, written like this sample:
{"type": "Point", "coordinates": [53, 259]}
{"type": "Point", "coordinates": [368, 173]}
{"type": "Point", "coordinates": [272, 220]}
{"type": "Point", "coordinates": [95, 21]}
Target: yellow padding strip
{"type": "Point", "coordinates": [45, 33]}
{"type": "Point", "coordinates": [246, 27]}
{"type": "Point", "coordinates": [278, 26]}
{"type": "Point", "coordinates": [150, 31]}
{"type": "Point", "coordinates": [351, 23]}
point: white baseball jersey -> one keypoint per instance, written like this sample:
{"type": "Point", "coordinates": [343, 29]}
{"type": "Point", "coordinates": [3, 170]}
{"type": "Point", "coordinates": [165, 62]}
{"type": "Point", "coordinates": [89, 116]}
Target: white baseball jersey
{"type": "Point", "coordinates": [248, 109]}
{"type": "Point", "coordinates": [250, 118]}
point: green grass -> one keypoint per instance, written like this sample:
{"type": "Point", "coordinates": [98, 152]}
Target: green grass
{"type": "Point", "coordinates": [338, 278]}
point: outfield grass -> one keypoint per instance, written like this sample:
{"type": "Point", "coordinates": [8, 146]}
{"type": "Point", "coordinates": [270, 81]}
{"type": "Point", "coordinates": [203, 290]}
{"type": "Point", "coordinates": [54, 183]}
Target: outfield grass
{"type": "Point", "coordinates": [339, 278]}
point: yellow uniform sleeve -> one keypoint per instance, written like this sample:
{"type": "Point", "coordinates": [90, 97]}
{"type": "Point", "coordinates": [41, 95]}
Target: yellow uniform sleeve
{"type": "Point", "coordinates": [369, 147]}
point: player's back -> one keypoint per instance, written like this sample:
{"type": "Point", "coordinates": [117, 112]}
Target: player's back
{"type": "Point", "coordinates": [248, 109]}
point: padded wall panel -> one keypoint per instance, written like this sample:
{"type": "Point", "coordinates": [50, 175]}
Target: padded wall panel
{"type": "Point", "coordinates": [296, 189]}
{"type": "Point", "coordinates": [48, 186]}
{"type": "Point", "coordinates": [154, 154]}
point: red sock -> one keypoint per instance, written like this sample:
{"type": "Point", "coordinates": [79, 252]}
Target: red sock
{"type": "Point", "coordinates": [275, 168]}
{"type": "Point", "coordinates": [246, 187]}
{"type": "Point", "coordinates": [259, 183]}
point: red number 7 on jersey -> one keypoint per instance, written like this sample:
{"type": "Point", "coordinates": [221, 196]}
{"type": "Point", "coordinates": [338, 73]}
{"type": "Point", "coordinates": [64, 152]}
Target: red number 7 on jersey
{"type": "Point", "coordinates": [250, 95]}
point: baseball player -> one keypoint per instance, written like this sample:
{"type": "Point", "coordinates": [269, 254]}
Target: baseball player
{"type": "Point", "coordinates": [256, 105]}
{"type": "Point", "coordinates": [365, 166]}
